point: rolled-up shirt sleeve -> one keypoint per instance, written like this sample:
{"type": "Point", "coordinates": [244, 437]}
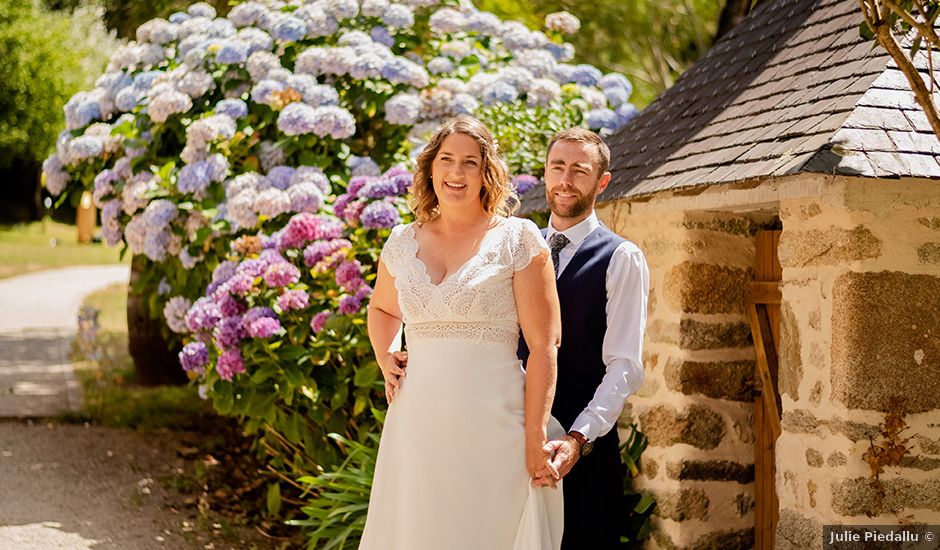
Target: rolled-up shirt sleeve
{"type": "Point", "coordinates": [628, 283]}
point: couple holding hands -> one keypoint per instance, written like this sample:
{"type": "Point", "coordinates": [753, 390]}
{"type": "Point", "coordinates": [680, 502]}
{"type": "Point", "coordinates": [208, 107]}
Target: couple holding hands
{"type": "Point", "coordinates": [477, 453]}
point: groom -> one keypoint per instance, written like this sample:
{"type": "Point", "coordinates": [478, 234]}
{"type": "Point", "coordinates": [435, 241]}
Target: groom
{"type": "Point", "coordinates": [603, 284]}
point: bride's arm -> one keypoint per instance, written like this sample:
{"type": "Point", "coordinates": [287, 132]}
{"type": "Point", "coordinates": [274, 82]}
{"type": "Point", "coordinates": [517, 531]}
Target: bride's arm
{"type": "Point", "coordinates": [384, 323]}
{"type": "Point", "coordinates": [540, 318]}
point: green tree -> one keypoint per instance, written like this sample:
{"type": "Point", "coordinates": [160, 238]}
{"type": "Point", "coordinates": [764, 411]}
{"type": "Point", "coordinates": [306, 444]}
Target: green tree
{"type": "Point", "coordinates": [651, 42]}
{"type": "Point", "coordinates": [45, 57]}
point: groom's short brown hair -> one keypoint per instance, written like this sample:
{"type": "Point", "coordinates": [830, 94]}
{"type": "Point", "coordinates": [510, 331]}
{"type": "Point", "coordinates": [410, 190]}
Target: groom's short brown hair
{"type": "Point", "coordinates": [580, 135]}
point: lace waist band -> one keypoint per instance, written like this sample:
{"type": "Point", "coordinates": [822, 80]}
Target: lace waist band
{"type": "Point", "coordinates": [463, 331]}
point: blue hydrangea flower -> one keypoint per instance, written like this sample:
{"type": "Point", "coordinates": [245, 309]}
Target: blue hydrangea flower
{"type": "Point", "coordinates": [312, 175]}
{"type": "Point", "coordinates": [81, 110]}
{"type": "Point", "coordinates": [446, 21]}
{"type": "Point", "coordinates": [602, 119]}
{"type": "Point", "coordinates": [342, 9]}
{"type": "Point", "coordinates": [382, 35]}
{"type": "Point", "coordinates": [231, 52]}
{"type": "Point", "coordinates": [263, 92]}
{"type": "Point", "coordinates": [305, 197]}
{"type": "Point", "coordinates": [335, 122]}
{"type": "Point", "coordinates": [398, 16]}
{"type": "Point", "coordinates": [500, 92]}
{"type": "Point", "coordinates": [484, 22]}
{"type": "Point", "coordinates": [367, 66]}
{"type": "Point", "coordinates": [84, 148]}
{"type": "Point", "coordinates": [465, 104]}
{"type": "Point", "coordinates": [616, 96]}
{"type": "Point", "coordinates": [625, 113]}
{"type": "Point", "coordinates": [561, 52]}
{"type": "Point", "coordinates": [440, 65]}
{"type": "Point", "coordinates": [586, 75]}
{"type": "Point", "coordinates": [319, 23]}
{"type": "Point", "coordinates": [363, 166]}
{"type": "Point", "coordinates": [297, 119]}
{"type": "Point", "coordinates": [403, 109]}
{"type": "Point", "coordinates": [235, 108]}
{"type": "Point", "coordinates": [257, 39]}
{"type": "Point", "coordinates": [399, 70]}
{"type": "Point", "coordinates": [289, 29]}
{"type": "Point", "coordinates": [178, 17]}
{"type": "Point", "coordinates": [247, 14]}
{"type": "Point", "coordinates": [201, 9]}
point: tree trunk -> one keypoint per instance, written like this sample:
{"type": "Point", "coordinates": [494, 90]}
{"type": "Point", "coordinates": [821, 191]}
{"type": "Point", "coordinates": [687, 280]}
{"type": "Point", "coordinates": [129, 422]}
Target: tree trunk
{"type": "Point", "coordinates": [155, 363]}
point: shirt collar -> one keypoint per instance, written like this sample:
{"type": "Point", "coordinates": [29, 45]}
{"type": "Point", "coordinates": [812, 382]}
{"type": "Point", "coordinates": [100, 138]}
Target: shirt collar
{"type": "Point", "coordinates": [577, 233]}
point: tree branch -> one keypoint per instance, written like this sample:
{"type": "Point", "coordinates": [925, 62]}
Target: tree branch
{"type": "Point", "coordinates": [922, 29]}
{"type": "Point", "coordinates": [921, 94]}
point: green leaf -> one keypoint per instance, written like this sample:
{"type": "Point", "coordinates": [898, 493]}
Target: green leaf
{"type": "Point", "coordinates": [366, 374]}
{"type": "Point", "coordinates": [274, 499]}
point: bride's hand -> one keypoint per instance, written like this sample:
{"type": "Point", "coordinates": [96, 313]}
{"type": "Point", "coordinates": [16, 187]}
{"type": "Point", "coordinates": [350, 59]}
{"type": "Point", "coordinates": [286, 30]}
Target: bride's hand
{"type": "Point", "coordinates": [536, 457]}
{"type": "Point", "coordinates": [393, 371]}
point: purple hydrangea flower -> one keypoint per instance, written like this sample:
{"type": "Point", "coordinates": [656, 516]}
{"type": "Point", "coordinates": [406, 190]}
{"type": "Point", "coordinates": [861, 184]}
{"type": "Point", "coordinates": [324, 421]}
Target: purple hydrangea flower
{"type": "Point", "coordinates": [281, 274]}
{"type": "Point", "coordinates": [194, 357]}
{"type": "Point", "coordinates": [525, 182]}
{"type": "Point", "coordinates": [230, 332]}
{"type": "Point", "coordinates": [316, 252]}
{"type": "Point", "coordinates": [224, 271]}
{"type": "Point", "coordinates": [364, 292]}
{"type": "Point", "coordinates": [230, 363]}
{"type": "Point", "coordinates": [349, 275]}
{"type": "Point", "coordinates": [252, 267]}
{"type": "Point", "coordinates": [293, 300]}
{"type": "Point", "coordinates": [363, 166]}
{"type": "Point", "coordinates": [300, 230]}
{"type": "Point", "coordinates": [311, 174]}
{"type": "Point", "coordinates": [229, 305]}
{"type": "Point", "coordinates": [318, 321]}
{"type": "Point", "coordinates": [398, 16]}
{"type": "Point", "coordinates": [240, 284]}
{"type": "Point", "coordinates": [265, 327]}
{"type": "Point", "coordinates": [349, 305]}
{"type": "Point", "coordinates": [280, 177]}
{"type": "Point", "coordinates": [379, 188]}
{"type": "Point", "coordinates": [380, 215]}
{"type": "Point", "coordinates": [204, 315]}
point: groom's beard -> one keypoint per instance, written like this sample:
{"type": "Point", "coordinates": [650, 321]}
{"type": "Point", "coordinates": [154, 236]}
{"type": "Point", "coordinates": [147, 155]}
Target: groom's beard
{"type": "Point", "coordinates": [576, 208]}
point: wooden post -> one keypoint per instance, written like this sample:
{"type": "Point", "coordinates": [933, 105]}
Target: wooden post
{"type": "Point", "coordinates": [86, 218]}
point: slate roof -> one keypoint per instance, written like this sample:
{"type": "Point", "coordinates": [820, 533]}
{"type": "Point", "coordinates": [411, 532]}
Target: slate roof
{"type": "Point", "coordinates": [793, 88]}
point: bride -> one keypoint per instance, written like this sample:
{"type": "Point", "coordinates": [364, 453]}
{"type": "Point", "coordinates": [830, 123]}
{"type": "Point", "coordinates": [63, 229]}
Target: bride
{"type": "Point", "coordinates": [466, 426]}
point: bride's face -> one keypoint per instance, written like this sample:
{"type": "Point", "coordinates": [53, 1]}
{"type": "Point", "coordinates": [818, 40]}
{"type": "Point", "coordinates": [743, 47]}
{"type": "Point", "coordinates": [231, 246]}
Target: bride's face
{"type": "Point", "coordinates": [456, 171]}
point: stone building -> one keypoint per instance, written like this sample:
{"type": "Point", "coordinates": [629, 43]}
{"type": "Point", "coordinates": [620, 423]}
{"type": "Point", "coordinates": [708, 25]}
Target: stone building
{"type": "Point", "coordinates": [785, 193]}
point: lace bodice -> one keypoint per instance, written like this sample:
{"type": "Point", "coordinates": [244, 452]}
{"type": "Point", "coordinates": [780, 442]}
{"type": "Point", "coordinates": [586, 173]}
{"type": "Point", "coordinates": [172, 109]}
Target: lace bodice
{"type": "Point", "coordinates": [474, 302]}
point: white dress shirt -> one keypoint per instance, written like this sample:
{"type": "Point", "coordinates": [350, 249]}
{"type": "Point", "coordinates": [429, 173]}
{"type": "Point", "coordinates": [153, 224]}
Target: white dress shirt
{"type": "Point", "coordinates": [628, 284]}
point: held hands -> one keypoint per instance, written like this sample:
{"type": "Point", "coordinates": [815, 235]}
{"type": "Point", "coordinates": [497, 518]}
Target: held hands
{"type": "Point", "coordinates": [563, 453]}
{"type": "Point", "coordinates": [393, 370]}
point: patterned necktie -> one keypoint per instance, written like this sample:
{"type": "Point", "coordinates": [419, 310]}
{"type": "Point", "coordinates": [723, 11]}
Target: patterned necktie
{"type": "Point", "coordinates": [555, 244]}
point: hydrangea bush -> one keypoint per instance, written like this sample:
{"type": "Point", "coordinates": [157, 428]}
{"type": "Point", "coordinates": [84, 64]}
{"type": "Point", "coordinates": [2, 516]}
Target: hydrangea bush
{"type": "Point", "coordinates": [258, 160]}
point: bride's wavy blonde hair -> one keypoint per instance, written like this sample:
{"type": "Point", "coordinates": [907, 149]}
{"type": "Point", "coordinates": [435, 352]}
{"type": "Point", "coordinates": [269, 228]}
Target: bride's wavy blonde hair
{"type": "Point", "coordinates": [497, 195]}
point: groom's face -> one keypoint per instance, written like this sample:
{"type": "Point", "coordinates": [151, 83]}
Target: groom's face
{"type": "Point", "coordinates": [572, 179]}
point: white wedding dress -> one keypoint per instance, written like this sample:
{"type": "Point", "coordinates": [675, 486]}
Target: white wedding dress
{"type": "Point", "coordinates": [451, 469]}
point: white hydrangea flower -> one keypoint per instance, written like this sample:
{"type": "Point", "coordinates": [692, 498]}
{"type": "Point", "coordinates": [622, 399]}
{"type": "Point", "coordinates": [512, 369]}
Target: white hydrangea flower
{"type": "Point", "coordinates": [562, 22]}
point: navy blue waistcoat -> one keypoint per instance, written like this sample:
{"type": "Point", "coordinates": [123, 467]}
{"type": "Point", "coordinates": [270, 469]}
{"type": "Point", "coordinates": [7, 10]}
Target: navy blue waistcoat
{"type": "Point", "coordinates": [582, 290]}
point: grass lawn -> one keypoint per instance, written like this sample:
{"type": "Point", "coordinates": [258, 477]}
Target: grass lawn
{"type": "Point", "coordinates": [25, 248]}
